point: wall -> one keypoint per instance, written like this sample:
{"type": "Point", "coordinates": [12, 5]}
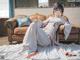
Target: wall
{"type": "Point", "coordinates": [72, 13]}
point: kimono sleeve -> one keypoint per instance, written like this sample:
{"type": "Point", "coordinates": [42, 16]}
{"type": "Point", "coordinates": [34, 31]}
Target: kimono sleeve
{"type": "Point", "coordinates": [67, 29]}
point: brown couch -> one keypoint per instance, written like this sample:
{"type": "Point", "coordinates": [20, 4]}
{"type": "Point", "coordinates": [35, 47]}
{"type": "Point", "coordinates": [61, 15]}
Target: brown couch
{"type": "Point", "coordinates": [16, 34]}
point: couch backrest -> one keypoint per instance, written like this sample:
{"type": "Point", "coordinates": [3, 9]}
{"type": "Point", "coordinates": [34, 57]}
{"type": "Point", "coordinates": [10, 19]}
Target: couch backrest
{"type": "Point", "coordinates": [38, 17]}
{"type": "Point", "coordinates": [42, 17]}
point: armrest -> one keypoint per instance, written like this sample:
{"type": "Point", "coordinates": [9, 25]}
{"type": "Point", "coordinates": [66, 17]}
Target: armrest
{"type": "Point", "coordinates": [60, 31]}
{"type": "Point", "coordinates": [11, 23]}
{"type": "Point", "coordinates": [61, 27]}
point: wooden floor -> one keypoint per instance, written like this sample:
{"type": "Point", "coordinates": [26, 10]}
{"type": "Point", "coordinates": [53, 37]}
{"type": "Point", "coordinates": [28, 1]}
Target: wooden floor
{"type": "Point", "coordinates": [4, 40]}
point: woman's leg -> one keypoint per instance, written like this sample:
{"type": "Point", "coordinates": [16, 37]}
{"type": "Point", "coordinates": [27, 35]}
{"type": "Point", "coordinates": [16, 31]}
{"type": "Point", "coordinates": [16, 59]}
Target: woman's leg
{"type": "Point", "coordinates": [30, 41]}
{"type": "Point", "coordinates": [43, 39]}
{"type": "Point", "coordinates": [35, 36]}
{"type": "Point", "coordinates": [54, 36]}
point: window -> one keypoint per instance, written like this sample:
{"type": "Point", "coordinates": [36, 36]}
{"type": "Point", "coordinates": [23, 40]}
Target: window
{"type": "Point", "coordinates": [43, 3]}
{"type": "Point", "coordinates": [26, 3]}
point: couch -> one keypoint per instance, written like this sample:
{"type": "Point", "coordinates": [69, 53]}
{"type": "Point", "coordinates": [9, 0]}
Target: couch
{"type": "Point", "coordinates": [16, 34]}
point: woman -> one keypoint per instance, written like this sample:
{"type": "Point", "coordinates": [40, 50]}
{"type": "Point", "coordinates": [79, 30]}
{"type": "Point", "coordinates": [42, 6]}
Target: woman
{"type": "Point", "coordinates": [44, 33]}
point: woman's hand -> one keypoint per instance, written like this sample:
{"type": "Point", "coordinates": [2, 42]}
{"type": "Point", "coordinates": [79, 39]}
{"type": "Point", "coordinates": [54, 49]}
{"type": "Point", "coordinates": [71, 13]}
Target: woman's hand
{"type": "Point", "coordinates": [45, 22]}
{"type": "Point", "coordinates": [43, 25]}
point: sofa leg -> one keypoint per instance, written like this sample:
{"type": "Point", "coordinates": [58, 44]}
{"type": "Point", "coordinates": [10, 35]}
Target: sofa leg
{"type": "Point", "coordinates": [77, 43]}
{"type": "Point", "coordinates": [10, 43]}
{"type": "Point", "coordinates": [19, 42]}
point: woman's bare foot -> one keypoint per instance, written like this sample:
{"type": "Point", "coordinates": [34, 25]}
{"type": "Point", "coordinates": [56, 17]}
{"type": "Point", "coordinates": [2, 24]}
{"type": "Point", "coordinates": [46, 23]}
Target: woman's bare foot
{"type": "Point", "coordinates": [31, 54]}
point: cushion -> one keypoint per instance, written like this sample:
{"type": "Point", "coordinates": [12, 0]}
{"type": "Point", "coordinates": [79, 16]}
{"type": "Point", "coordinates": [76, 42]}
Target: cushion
{"type": "Point", "coordinates": [23, 21]}
{"type": "Point", "coordinates": [20, 30]}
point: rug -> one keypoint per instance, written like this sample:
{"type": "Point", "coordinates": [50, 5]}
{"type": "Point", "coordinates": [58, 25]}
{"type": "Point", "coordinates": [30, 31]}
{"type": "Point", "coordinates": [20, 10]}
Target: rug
{"type": "Point", "coordinates": [61, 52]}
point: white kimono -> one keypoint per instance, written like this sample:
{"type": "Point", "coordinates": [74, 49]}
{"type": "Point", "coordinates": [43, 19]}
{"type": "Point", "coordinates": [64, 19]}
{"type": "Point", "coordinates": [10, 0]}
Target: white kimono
{"type": "Point", "coordinates": [36, 36]}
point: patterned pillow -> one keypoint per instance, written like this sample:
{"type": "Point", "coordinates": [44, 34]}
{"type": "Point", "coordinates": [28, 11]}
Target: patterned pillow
{"type": "Point", "coordinates": [23, 21]}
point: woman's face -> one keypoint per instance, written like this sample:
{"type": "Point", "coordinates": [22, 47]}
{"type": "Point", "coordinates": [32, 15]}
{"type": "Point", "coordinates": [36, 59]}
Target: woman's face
{"type": "Point", "coordinates": [58, 13]}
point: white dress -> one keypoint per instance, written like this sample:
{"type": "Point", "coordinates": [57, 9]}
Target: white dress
{"type": "Point", "coordinates": [36, 36]}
